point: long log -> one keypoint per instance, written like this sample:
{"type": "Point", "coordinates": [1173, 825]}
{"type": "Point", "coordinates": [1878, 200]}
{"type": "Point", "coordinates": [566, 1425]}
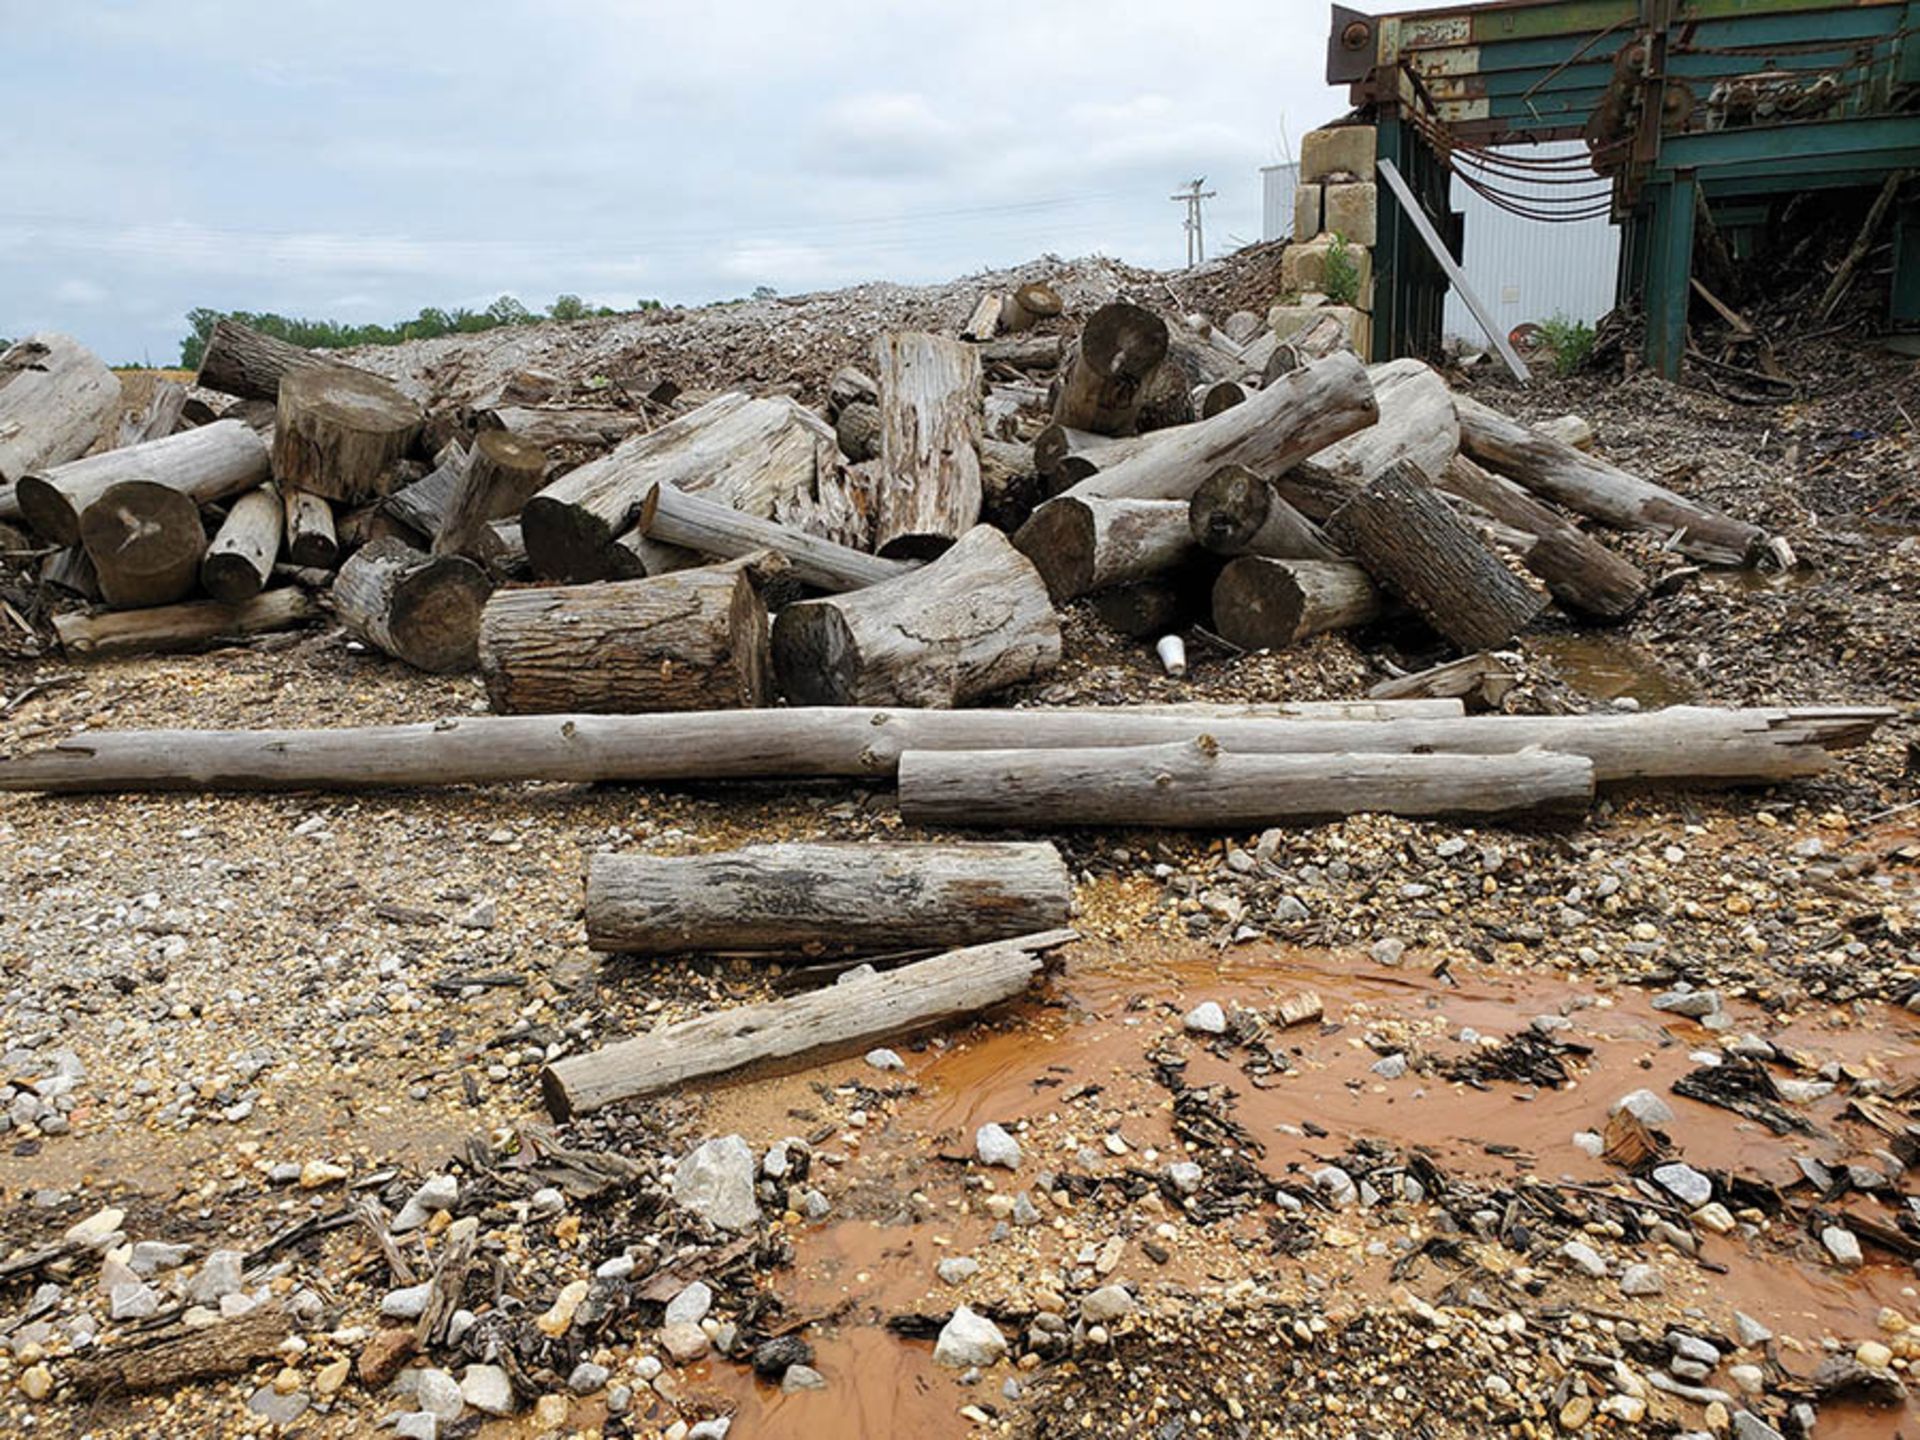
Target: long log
{"type": "Point", "coordinates": [145, 541]}
{"type": "Point", "coordinates": [692, 640]}
{"type": "Point", "coordinates": [557, 427]}
{"type": "Point", "coordinates": [1683, 744]}
{"type": "Point", "coordinates": [1278, 426]}
{"type": "Point", "coordinates": [205, 464]}
{"type": "Point", "coordinates": [245, 362]}
{"type": "Point", "coordinates": [1120, 348]}
{"type": "Point", "coordinates": [501, 474]}
{"type": "Point", "coordinates": [929, 443]}
{"type": "Point", "coordinates": [1266, 604]}
{"type": "Point", "coordinates": [423, 609]}
{"type": "Point", "coordinates": [1080, 546]}
{"type": "Point", "coordinates": [1414, 544]}
{"type": "Point", "coordinates": [1236, 512]}
{"type": "Point", "coordinates": [311, 538]}
{"type": "Point", "coordinates": [1198, 784]}
{"type": "Point", "coordinates": [1417, 423]}
{"type": "Point", "coordinates": [1065, 456]}
{"type": "Point", "coordinates": [974, 621]}
{"type": "Point", "coordinates": [841, 898]}
{"type": "Point", "coordinates": [1591, 486]}
{"type": "Point", "coordinates": [240, 558]}
{"type": "Point", "coordinates": [820, 1025]}
{"type": "Point", "coordinates": [1581, 573]}
{"type": "Point", "coordinates": [339, 432]}
{"type": "Point", "coordinates": [56, 400]}
{"type": "Point", "coordinates": [193, 625]}
{"type": "Point", "coordinates": [1025, 352]}
{"type": "Point", "coordinates": [673, 517]}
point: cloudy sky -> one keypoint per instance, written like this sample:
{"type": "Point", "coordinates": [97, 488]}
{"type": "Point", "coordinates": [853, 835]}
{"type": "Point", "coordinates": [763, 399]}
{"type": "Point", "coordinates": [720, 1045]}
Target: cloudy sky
{"type": "Point", "coordinates": [360, 161]}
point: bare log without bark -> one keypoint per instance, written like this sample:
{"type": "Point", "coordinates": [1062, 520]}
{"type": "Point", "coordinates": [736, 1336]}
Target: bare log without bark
{"type": "Point", "coordinates": [1687, 744]}
{"type": "Point", "coordinates": [1010, 485]}
{"type": "Point", "coordinates": [311, 539]}
{"type": "Point", "coordinates": [1275, 429]}
{"type": "Point", "coordinates": [985, 318]}
{"type": "Point", "coordinates": [673, 517]}
{"type": "Point", "coordinates": [1413, 543]}
{"type": "Point", "coordinates": [1581, 573]}
{"type": "Point", "coordinates": [1119, 349]}
{"type": "Point", "coordinates": [339, 432]}
{"type": "Point", "coordinates": [863, 899]}
{"type": "Point", "coordinates": [1236, 512]}
{"type": "Point", "coordinates": [238, 562]}
{"type": "Point", "coordinates": [145, 541]}
{"type": "Point", "coordinates": [692, 640]}
{"type": "Point", "coordinates": [502, 473]}
{"type": "Point", "coordinates": [976, 620]}
{"type": "Point", "coordinates": [1417, 423]}
{"type": "Point", "coordinates": [561, 427]}
{"type": "Point", "coordinates": [1036, 300]}
{"type": "Point", "coordinates": [1065, 456]}
{"type": "Point", "coordinates": [194, 625]}
{"type": "Point", "coordinates": [56, 400]}
{"type": "Point", "coordinates": [929, 443]}
{"type": "Point", "coordinates": [1587, 484]}
{"type": "Point", "coordinates": [244, 362]}
{"type": "Point", "coordinates": [1080, 546]}
{"type": "Point", "coordinates": [838, 1020]}
{"type": "Point", "coordinates": [422, 609]}
{"type": "Point", "coordinates": [1263, 604]}
{"type": "Point", "coordinates": [205, 464]}
{"type": "Point", "coordinates": [1200, 784]}
{"type": "Point", "coordinates": [1480, 681]}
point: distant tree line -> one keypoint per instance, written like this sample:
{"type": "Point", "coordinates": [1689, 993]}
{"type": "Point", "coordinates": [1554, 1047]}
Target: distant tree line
{"type": "Point", "coordinates": [430, 322]}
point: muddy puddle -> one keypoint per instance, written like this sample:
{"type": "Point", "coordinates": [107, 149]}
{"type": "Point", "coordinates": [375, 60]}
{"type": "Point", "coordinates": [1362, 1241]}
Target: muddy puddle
{"type": "Point", "coordinates": [1607, 667]}
{"type": "Point", "coordinates": [905, 1207]}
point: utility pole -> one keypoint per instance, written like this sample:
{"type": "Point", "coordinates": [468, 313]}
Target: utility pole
{"type": "Point", "coordinates": [1196, 236]}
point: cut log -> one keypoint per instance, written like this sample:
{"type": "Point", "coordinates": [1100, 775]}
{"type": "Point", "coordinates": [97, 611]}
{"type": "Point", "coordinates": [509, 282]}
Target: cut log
{"type": "Point", "coordinates": [747, 453]}
{"type": "Point", "coordinates": [974, 621]}
{"type": "Point", "coordinates": [70, 570]}
{"type": "Point", "coordinates": [145, 541]}
{"type": "Point", "coordinates": [422, 506]}
{"type": "Point", "coordinates": [242, 361]}
{"type": "Point", "coordinates": [361, 527]}
{"type": "Point", "coordinates": [692, 522]}
{"type": "Point", "coordinates": [1417, 423]}
{"type": "Point", "coordinates": [194, 625]}
{"type": "Point", "coordinates": [1148, 609]}
{"type": "Point", "coordinates": [155, 420]}
{"type": "Point", "coordinates": [857, 431]}
{"type": "Point", "coordinates": [1210, 400]}
{"type": "Point", "coordinates": [1682, 744]}
{"type": "Point", "coordinates": [929, 444]}
{"type": "Point", "coordinates": [1198, 784]}
{"type": "Point", "coordinates": [1278, 426]}
{"type": "Point", "coordinates": [1025, 353]}
{"type": "Point", "coordinates": [1036, 300]}
{"type": "Point", "coordinates": [206, 464]}
{"type": "Point", "coordinates": [238, 562]}
{"type": "Point", "coordinates": [257, 415]}
{"type": "Point", "coordinates": [985, 319]}
{"type": "Point", "coordinates": [1582, 574]}
{"type": "Point", "coordinates": [1080, 546]}
{"type": "Point", "coordinates": [850, 386]}
{"type": "Point", "coordinates": [1064, 456]}
{"type": "Point", "coordinates": [1010, 484]}
{"type": "Point", "coordinates": [1591, 486]}
{"type": "Point", "coordinates": [423, 609]}
{"type": "Point", "coordinates": [1323, 336]}
{"type": "Point", "coordinates": [311, 539]}
{"type": "Point", "coordinates": [692, 640]}
{"type": "Point", "coordinates": [1120, 348]}
{"type": "Point", "coordinates": [1414, 545]}
{"type": "Point", "coordinates": [838, 1020]}
{"type": "Point", "coordinates": [552, 427]}
{"type": "Point", "coordinates": [1480, 681]}
{"type": "Point", "coordinates": [839, 898]}
{"type": "Point", "coordinates": [1263, 604]}
{"type": "Point", "coordinates": [501, 474]}
{"type": "Point", "coordinates": [1166, 400]}
{"type": "Point", "coordinates": [1236, 512]}
{"type": "Point", "coordinates": [56, 400]}
{"type": "Point", "coordinates": [339, 432]}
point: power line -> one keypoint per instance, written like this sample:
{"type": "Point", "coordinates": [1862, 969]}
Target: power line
{"type": "Point", "coordinates": [1196, 236]}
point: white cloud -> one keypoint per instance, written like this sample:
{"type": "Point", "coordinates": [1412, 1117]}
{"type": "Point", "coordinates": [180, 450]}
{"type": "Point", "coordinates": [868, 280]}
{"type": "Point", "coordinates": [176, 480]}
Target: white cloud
{"type": "Point", "coordinates": [80, 292]}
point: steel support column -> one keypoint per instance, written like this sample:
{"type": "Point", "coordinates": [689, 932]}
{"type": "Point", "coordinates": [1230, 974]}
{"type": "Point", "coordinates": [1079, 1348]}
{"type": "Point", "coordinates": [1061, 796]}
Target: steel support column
{"type": "Point", "coordinates": [1669, 273]}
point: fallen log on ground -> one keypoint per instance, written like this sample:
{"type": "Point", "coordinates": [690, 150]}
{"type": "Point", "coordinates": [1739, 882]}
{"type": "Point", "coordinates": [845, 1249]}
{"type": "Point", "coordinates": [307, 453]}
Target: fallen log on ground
{"type": "Point", "coordinates": [247, 363]}
{"type": "Point", "coordinates": [501, 474]}
{"type": "Point", "coordinates": [693, 522]}
{"type": "Point", "coordinates": [1120, 348]}
{"type": "Point", "coordinates": [1266, 604]}
{"type": "Point", "coordinates": [1683, 744]}
{"type": "Point", "coordinates": [1276, 428]}
{"type": "Point", "coordinates": [179, 1354]}
{"type": "Point", "coordinates": [1585, 483]}
{"type": "Point", "coordinates": [205, 464]}
{"type": "Point", "coordinates": [145, 542]}
{"type": "Point", "coordinates": [191, 625]}
{"type": "Point", "coordinates": [422, 506]}
{"type": "Point", "coordinates": [821, 1025]}
{"type": "Point", "coordinates": [339, 432]}
{"type": "Point", "coordinates": [1200, 784]}
{"type": "Point", "coordinates": [1417, 423]}
{"type": "Point", "coordinates": [1481, 681]}
{"type": "Point", "coordinates": [692, 640]}
{"type": "Point", "coordinates": [240, 558]}
{"type": "Point", "coordinates": [929, 492]}
{"type": "Point", "coordinates": [974, 621]}
{"type": "Point", "coordinates": [311, 538]}
{"type": "Point", "coordinates": [1064, 456]}
{"type": "Point", "coordinates": [56, 399]}
{"type": "Point", "coordinates": [858, 898]}
{"type": "Point", "coordinates": [423, 609]}
{"type": "Point", "coordinates": [857, 430]}
{"type": "Point", "coordinates": [1236, 512]}
{"type": "Point", "coordinates": [1414, 544]}
{"type": "Point", "coordinates": [1080, 546]}
{"type": "Point", "coordinates": [985, 318]}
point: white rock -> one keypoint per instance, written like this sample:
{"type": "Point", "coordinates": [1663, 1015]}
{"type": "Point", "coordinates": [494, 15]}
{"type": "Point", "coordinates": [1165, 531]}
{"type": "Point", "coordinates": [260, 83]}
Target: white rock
{"type": "Point", "coordinates": [1107, 1304]}
{"type": "Point", "coordinates": [956, 1269]}
{"type": "Point", "coordinates": [1206, 1018]}
{"type": "Point", "coordinates": [691, 1305]}
{"type": "Point", "coordinates": [437, 1193]}
{"type": "Point", "coordinates": [1645, 1106]}
{"type": "Point", "coordinates": [1589, 1142]}
{"type": "Point", "coordinates": [219, 1276]}
{"type": "Point", "coordinates": [1584, 1258]}
{"type": "Point", "coordinates": [438, 1393]}
{"type": "Point", "coordinates": [994, 1146]}
{"type": "Point", "coordinates": [885, 1059]}
{"type": "Point", "coordinates": [1640, 1280]}
{"type": "Point", "coordinates": [715, 1182]}
{"type": "Point", "coordinates": [406, 1303]}
{"type": "Point", "coordinates": [487, 1389]}
{"type": "Point", "coordinates": [98, 1231]}
{"type": "Point", "coordinates": [1842, 1245]}
{"type": "Point", "coordinates": [1186, 1176]}
{"type": "Point", "coordinates": [968, 1340]}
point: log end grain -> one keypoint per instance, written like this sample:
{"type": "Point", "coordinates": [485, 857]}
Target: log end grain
{"type": "Point", "coordinates": [145, 541]}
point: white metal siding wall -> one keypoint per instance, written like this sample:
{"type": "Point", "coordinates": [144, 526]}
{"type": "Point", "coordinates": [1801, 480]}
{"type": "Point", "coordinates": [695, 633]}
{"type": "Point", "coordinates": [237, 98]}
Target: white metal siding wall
{"type": "Point", "coordinates": [1531, 269]}
{"type": "Point", "coordinates": [1278, 183]}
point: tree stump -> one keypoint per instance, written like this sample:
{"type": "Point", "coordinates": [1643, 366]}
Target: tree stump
{"type": "Point", "coordinates": [1264, 604]}
{"type": "Point", "coordinates": [1120, 347]}
{"type": "Point", "coordinates": [423, 609]}
{"type": "Point", "coordinates": [929, 491]}
{"type": "Point", "coordinates": [145, 541]}
{"type": "Point", "coordinates": [240, 559]}
{"type": "Point", "coordinates": [339, 432]}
